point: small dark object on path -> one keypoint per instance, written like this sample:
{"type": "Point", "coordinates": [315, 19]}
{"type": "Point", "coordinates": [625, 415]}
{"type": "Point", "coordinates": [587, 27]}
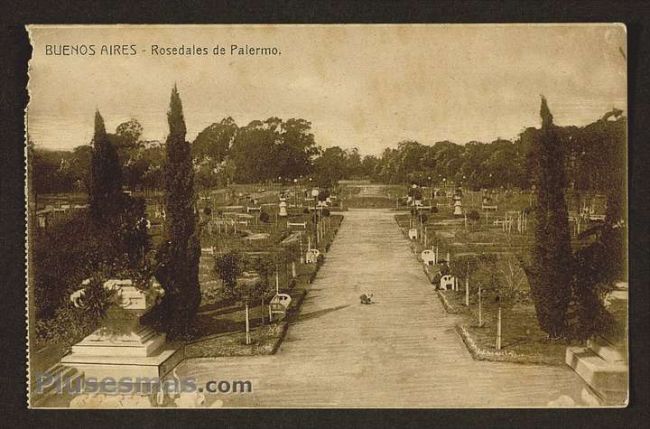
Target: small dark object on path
{"type": "Point", "coordinates": [366, 299]}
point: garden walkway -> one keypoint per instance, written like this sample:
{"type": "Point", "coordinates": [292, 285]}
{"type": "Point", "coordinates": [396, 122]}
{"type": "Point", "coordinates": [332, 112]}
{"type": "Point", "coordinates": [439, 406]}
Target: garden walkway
{"type": "Point", "coordinates": [402, 351]}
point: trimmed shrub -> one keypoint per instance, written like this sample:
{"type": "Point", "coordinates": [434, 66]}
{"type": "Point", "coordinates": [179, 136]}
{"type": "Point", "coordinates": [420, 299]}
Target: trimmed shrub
{"type": "Point", "coordinates": [473, 216]}
{"type": "Point", "coordinates": [550, 273]}
{"type": "Point", "coordinates": [69, 252]}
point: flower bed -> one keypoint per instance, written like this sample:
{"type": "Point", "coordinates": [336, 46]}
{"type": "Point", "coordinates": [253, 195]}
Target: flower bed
{"type": "Point", "coordinates": [219, 328]}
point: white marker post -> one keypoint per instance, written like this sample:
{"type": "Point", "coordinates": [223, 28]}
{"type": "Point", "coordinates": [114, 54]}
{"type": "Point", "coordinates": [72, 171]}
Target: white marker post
{"type": "Point", "coordinates": [248, 333]}
{"type": "Point", "coordinates": [499, 328]}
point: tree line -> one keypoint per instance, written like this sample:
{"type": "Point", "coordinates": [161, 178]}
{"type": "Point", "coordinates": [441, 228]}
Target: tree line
{"type": "Point", "coordinates": [283, 150]}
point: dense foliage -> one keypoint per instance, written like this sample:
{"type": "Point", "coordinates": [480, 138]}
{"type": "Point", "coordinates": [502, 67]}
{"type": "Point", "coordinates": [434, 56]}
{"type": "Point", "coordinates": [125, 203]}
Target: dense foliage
{"type": "Point", "coordinates": [550, 273]}
{"type": "Point", "coordinates": [105, 172]}
{"type": "Point", "coordinates": [178, 256]}
{"type": "Point", "coordinates": [276, 149]}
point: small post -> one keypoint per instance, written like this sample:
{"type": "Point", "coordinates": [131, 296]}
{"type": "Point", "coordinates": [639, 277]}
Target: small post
{"type": "Point", "coordinates": [499, 328]}
{"type": "Point", "coordinates": [248, 334]}
{"type": "Point", "coordinates": [467, 289]}
{"type": "Point", "coordinates": [277, 280]}
{"type": "Point", "coordinates": [480, 310]}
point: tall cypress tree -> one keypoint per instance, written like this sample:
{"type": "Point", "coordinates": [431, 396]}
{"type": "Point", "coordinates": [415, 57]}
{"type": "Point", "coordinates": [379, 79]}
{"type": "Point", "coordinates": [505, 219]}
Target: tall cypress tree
{"type": "Point", "coordinates": [105, 172]}
{"type": "Point", "coordinates": [550, 273]}
{"type": "Point", "coordinates": [179, 267]}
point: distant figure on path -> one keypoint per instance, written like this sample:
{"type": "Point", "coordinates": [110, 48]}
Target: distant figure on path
{"type": "Point", "coordinates": [366, 299]}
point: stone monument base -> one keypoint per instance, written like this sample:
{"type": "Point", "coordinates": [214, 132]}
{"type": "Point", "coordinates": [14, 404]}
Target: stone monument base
{"type": "Point", "coordinates": [123, 348]}
{"type": "Point", "coordinates": [157, 365]}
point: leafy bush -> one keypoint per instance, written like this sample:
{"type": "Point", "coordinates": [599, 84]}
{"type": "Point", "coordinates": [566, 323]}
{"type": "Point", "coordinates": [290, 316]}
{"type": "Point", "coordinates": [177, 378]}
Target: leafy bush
{"type": "Point", "coordinates": [70, 324]}
{"type": "Point", "coordinates": [77, 248]}
{"type": "Point", "coordinates": [597, 266]}
{"type": "Point", "coordinates": [473, 216]}
{"type": "Point", "coordinates": [415, 193]}
{"type": "Point", "coordinates": [264, 217]}
{"type": "Point", "coordinates": [323, 195]}
{"type": "Point", "coordinates": [228, 267]}
{"type": "Point", "coordinates": [497, 275]}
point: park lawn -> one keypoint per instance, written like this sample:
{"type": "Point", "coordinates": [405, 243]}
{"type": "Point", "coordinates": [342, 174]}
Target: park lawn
{"type": "Point", "coordinates": [522, 340]}
{"type": "Point", "coordinates": [221, 332]}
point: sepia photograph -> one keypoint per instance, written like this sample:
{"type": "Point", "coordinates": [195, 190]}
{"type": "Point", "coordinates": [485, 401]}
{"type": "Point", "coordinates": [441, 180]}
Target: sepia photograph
{"type": "Point", "coordinates": [327, 216]}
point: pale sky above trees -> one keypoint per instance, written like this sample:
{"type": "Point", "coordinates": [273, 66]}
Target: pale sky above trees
{"type": "Point", "coordinates": [360, 86]}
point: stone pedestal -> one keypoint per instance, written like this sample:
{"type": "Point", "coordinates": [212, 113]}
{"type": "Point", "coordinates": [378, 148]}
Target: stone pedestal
{"type": "Point", "coordinates": [123, 347]}
{"type": "Point", "coordinates": [458, 206]}
{"type": "Point", "coordinates": [283, 209]}
{"type": "Point", "coordinates": [603, 363]}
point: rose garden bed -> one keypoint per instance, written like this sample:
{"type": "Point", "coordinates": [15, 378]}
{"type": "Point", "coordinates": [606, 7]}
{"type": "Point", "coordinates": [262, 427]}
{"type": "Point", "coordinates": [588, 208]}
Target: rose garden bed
{"type": "Point", "coordinates": [522, 340]}
{"type": "Point", "coordinates": [219, 328]}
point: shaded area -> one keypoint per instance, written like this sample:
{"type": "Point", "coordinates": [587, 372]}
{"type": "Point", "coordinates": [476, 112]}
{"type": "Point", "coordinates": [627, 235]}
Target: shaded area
{"type": "Point", "coordinates": [302, 317]}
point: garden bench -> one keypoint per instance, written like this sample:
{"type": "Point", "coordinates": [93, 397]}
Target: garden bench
{"type": "Point", "coordinates": [448, 282]}
{"type": "Point", "coordinates": [312, 256]}
{"type": "Point", "coordinates": [413, 234]}
{"type": "Point", "coordinates": [208, 250]}
{"type": "Point", "coordinates": [300, 224]}
{"type": "Point", "coordinates": [484, 207]}
{"type": "Point", "coordinates": [279, 305]}
{"type": "Point", "coordinates": [428, 257]}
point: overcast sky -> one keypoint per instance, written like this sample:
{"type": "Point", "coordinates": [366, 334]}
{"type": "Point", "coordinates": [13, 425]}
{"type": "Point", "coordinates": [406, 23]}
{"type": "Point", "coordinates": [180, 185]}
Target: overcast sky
{"type": "Point", "coordinates": [360, 86]}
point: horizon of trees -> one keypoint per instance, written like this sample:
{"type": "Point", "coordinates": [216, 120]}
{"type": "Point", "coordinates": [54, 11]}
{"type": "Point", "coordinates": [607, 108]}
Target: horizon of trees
{"type": "Point", "coordinates": [275, 150]}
